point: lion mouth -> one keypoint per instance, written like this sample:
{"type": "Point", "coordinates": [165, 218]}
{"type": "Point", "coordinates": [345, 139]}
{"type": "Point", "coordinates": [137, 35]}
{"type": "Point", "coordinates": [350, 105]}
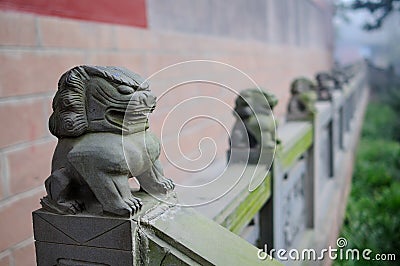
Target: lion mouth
{"type": "Point", "coordinates": [123, 118]}
{"type": "Point", "coordinates": [136, 113]}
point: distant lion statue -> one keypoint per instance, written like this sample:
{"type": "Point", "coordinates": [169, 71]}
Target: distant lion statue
{"type": "Point", "coordinates": [325, 86]}
{"type": "Point", "coordinates": [303, 98]}
{"type": "Point", "coordinates": [93, 108]}
{"type": "Point", "coordinates": [254, 108]}
{"type": "Point", "coordinates": [254, 129]}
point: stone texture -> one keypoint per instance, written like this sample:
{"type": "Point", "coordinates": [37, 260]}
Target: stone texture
{"type": "Point", "coordinates": [71, 255]}
{"type": "Point", "coordinates": [94, 240]}
{"type": "Point", "coordinates": [84, 230]}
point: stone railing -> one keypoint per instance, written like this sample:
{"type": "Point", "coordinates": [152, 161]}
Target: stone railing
{"type": "Point", "coordinates": [311, 173]}
{"type": "Point", "coordinates": [299, 204]}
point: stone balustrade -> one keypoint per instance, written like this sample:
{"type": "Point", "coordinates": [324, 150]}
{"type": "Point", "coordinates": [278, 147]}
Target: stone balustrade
{"type": "Point", "coordinates": [300, 204]}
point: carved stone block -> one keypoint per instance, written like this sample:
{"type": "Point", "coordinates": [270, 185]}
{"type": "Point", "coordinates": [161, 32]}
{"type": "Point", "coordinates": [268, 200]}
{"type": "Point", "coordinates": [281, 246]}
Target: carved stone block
{"type": "Point", "coordinates": [83, 239]}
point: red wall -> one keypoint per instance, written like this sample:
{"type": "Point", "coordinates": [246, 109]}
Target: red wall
{"type": "Point", "coordinates": [127, 12]}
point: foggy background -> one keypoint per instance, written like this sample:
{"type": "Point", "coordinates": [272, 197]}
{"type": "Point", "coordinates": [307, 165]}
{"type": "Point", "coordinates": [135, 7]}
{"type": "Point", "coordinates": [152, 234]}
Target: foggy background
{"type": "Point", "coordinates": [380, 46]}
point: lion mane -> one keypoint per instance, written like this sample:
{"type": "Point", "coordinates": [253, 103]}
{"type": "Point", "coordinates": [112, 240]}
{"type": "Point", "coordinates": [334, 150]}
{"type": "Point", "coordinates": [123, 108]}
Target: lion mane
{"type": "Point", "coordinates": [69, 118]}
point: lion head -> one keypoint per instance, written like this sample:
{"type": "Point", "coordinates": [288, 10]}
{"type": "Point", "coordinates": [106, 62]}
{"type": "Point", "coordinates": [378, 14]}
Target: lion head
{"type": "Point", "coordinates": [254, 110]}
{"type": "Point", "coordinates": [325, 81]}
{"type": "Point", "coordinates": [254, 100]}
{"type": "Point", "coordinates": [100, 99]}
{"type": "Point", "coordinates": [303, 98]}
{"type": "Point", "coordinates": [300, 85]}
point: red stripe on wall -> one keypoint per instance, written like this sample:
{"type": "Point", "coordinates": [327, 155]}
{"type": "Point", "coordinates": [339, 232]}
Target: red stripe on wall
{"type": "Point", "coordinates": [127, 12]}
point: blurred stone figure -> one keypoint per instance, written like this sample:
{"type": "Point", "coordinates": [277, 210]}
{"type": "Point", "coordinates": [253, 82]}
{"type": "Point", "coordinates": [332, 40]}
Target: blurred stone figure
{"type": "Point", "coordinates": [254, 129]}
{"type": "Point", "coordinates": [303, 98]}
{"type": "Point", "coordinates": [325, 86]}
{"type": "Point", "coordinates": [340, 77]}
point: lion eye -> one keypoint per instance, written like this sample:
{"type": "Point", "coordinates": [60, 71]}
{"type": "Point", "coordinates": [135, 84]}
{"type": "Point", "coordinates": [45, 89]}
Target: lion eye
{"type": "Point", "coordinates": [123, 89]}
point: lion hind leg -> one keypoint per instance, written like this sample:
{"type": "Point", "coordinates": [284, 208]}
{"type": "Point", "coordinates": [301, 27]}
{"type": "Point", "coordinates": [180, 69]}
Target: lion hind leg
{"type": "Point", "coordinates": [58, 187]}
{"type": "Point", "coordinates": [99, 170]}
{"type": "Point", "coordinates": [106, 189]}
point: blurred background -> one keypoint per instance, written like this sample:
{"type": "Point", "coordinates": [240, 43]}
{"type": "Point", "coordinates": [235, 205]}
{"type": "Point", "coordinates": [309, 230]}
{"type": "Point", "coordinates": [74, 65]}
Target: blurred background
{"type": "Point", "coordinates": [370, 30]}
{"type": "Point", "coordinates": [272, 41]}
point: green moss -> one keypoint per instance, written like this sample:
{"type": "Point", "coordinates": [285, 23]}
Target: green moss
{"type": "Point", "coordinates": [288, 156]}
{"type": "Point", "coordinates": [248, 207]}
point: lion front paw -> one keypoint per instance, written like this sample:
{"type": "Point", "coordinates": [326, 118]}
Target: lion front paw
{"type": "Point", "coordinates": [159, 186]}
{"type": "Point", "coordinates": [125, 208]}
{"type": "Point", "coordinates": [168, 183]}
{"type": "Point", "coordinates": [134, 203]}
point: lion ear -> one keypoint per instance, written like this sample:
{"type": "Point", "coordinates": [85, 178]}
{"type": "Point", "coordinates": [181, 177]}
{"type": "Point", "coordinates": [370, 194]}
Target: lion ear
{"type": "Point", "coordinates": [53, 125]}
{"type": "Point", "coordinates": [68, 124]}
{"type": "Point", "coordinates": [69, 113]}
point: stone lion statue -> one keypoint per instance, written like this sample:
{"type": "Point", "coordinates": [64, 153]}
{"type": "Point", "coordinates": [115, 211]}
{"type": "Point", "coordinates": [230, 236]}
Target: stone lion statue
{"type": "Point", "coordinates": [253, 108]}
{"type": "Point", "coordinates": [342, 75]}
{"type": "Point", "coordinates": [93, 108]}
{"type": "Point", "coordinates": [303, 98]}
{"type": "Point", "coordinates": [325, 86]}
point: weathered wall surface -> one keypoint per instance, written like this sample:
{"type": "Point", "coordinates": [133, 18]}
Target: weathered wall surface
{"type": "Point", "coordinates": [272, 41]}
